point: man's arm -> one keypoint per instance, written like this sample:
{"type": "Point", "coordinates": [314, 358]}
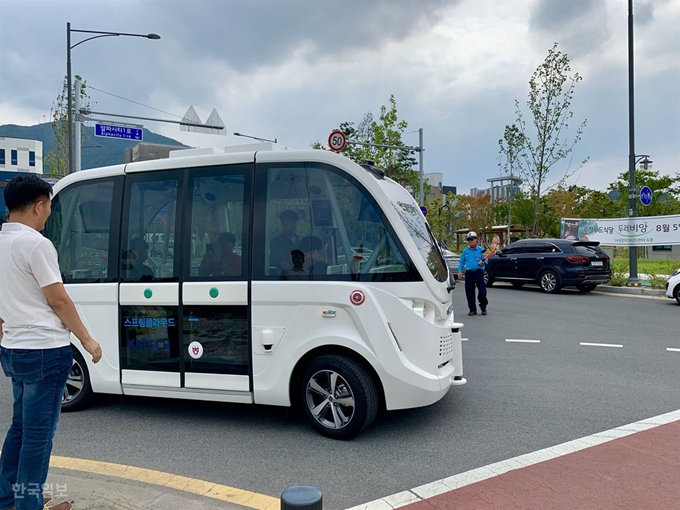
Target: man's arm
{"type": "Point", "coordinates": [1, 323]}
{"type": "Point", "coordinates": [62, 305]}
{"type": "Point", "coordinates": [461, 262]}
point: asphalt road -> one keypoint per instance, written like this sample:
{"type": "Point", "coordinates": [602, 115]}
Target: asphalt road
{"type": "Point", "coordinates": [520, 397]}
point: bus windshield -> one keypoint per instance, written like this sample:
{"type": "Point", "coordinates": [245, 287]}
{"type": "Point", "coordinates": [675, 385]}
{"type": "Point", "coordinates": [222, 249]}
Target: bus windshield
{"type": "Point", "coordinates": [417, 227]}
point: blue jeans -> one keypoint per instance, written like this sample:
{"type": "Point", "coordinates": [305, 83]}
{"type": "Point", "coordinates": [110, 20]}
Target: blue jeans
{"type": "Point", "coordinates": [38, 382]}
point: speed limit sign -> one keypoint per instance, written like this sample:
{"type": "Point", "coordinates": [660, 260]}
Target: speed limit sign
{"type": "Point", "coordinates": [337, 141]}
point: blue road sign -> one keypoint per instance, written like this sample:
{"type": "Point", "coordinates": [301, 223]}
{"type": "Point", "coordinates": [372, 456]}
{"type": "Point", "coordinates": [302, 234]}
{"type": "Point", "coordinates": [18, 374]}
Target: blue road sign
{"type": "Point", "coordinates": [646, 195]}
{"type": "Point", "coordinates": [113, 131]}
{"type": "Point", "coordinates": [423, 209]}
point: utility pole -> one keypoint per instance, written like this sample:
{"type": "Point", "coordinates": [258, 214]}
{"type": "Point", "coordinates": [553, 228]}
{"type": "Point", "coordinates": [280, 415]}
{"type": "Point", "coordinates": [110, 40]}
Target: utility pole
{"type": "Point", "coordinates": [78, 138]}
{"type": "Point", "coordinates": [69, 95]}
{"type": "Point", "coordinates": [422, 173]}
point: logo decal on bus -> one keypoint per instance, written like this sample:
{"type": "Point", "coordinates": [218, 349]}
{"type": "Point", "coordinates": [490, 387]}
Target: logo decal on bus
{"type": "Point", "coordinates": [357, 297]}
{"type": "Point", "coordinates": [195, 350]}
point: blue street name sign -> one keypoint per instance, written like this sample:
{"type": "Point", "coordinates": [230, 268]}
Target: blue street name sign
{"type": "Point", "coordinates": [423, 209]}
{"type": "Point", "coordinates": [113, 131]}
{"type": "Point", "coordinates": [646, 195]}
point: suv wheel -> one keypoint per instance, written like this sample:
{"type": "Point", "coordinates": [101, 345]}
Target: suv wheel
{"type": "Point", "coordinates": [488, 278]}
{"type": "Point", "coordinates": [588, 287]}
{"type": "Point", "coordinates": [549, 281]}
{"type": "Point", "coordinates": [676, 293]}
{"type": "Point", "coordinates": [338, 396]}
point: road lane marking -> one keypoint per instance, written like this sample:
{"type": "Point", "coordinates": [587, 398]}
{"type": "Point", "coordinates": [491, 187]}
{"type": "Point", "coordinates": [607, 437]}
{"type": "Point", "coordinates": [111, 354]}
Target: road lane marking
{"type": "Point", "coordinates": [519, 340]}
{"type": "Point", "coordinates": [588, 344]}
{"type": "Point", "coordinates": [672, 349]}
{"type": "Point", "coordinates": [464, 339]}
{"type": "Point", "coordinates": [451, 483]}
{"type": "Point", "coordinates": [181, 483]}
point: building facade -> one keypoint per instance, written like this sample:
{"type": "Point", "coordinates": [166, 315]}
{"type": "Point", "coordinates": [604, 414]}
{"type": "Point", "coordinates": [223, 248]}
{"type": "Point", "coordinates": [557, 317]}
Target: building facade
{"type": "Point", "coordinates": [21, 155]}
{"type": "Point", "coordinates": [501, 188]}
{"type": "Point", "coordinates": [18, 156]}
{"type": "Point", "coordinates": [148, 151]}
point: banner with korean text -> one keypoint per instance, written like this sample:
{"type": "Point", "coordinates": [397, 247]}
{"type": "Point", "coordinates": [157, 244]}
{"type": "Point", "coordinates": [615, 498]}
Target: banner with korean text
{"type": "Point", "coordinates": [639, 231]}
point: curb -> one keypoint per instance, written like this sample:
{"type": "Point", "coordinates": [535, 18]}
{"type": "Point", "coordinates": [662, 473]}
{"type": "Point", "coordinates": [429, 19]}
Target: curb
{"type": "Point", "coordinates": [638, 291]}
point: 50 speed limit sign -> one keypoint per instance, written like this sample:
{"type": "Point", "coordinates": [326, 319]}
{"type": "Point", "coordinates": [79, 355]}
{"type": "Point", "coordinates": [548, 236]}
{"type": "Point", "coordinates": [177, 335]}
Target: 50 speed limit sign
{"type": "Point", "coordinates": [337, 141]}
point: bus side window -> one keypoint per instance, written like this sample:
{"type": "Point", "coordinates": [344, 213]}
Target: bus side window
{"type": "Point", "coordinates": [321, 224]}
{"type": "Point", "coordinates": [219, 238]}
{"type": "Point", "coordinates": [80, 229]}
{"type": "Point", "coordinates": [148, 250]}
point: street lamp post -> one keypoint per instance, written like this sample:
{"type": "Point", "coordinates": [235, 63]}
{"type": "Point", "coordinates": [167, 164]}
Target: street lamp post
{"type": "Point", "coordinates": [69, 47]}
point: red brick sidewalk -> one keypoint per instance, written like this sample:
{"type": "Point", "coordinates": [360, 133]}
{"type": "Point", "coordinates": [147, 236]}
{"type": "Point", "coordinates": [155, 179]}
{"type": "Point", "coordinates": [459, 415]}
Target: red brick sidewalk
{"type": "Point", "coordinates": [639, 471]}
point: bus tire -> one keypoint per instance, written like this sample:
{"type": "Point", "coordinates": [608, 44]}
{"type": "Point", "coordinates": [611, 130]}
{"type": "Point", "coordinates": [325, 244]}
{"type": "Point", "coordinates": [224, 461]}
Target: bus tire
{"type": "Point", "coordinates": [78, 392]}
{"type": "Point", "coordinates": [338, 396]}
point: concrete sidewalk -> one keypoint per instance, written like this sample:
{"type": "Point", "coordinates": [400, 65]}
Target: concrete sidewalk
{"type": "Point", "coordinates": [96, 492]}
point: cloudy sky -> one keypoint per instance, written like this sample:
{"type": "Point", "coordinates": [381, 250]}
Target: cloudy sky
{"type": "Point", "coordinates": [296, 69]}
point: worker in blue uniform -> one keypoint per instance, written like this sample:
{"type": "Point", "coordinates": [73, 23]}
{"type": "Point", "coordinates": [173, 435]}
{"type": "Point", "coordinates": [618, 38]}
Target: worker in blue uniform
{"type": "Point", "coordinates": [472, 262]}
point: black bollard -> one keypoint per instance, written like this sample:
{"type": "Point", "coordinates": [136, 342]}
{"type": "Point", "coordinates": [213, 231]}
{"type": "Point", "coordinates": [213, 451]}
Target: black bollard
{"type": "Point", "coordinates": [302, 497]}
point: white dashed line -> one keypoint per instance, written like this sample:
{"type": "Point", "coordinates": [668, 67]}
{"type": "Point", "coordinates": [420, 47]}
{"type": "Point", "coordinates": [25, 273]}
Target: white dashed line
{"type": "Point", "coordinates": [464, 339]}
{"type": "Point", "coordinates": [672, 349]}
{"type": "Point", "coordinates": [519, 340]}
{"type": "Point", "coordinates": [587, 344]}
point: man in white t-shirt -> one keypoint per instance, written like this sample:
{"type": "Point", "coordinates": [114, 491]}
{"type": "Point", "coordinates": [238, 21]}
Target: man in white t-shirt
{"type": "Point", "coordinates": [37, 318]}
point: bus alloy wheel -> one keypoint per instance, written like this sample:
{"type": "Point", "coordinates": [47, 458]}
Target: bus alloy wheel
{"type": "Point", "coordinates": [78, 391]}
{"type": "Point", "coordinates": [338, 396]}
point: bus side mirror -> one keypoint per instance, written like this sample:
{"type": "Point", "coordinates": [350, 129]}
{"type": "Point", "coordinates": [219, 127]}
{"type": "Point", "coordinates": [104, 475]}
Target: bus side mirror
{"type": "Point", "coordinates": [452, 282]}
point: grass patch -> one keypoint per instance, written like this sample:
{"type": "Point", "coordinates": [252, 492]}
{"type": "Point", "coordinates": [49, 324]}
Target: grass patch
{"type": "Point", "coordinates": [650, 266]}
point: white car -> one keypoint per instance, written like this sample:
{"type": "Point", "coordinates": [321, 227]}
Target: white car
{"type": "Point", "coordinates": [673, 286]}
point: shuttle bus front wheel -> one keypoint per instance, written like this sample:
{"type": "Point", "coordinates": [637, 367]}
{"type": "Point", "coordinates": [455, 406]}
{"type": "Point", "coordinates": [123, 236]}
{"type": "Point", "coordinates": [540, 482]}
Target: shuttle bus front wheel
{"type": "Point", "coordinates": [338, 396]}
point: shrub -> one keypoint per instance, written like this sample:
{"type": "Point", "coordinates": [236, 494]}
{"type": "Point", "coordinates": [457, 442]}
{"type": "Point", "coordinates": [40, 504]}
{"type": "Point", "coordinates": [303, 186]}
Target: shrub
{"type": "Point", "coordinates": [656, 281]}
{"type": "Point", "coordinates": [619, 274]}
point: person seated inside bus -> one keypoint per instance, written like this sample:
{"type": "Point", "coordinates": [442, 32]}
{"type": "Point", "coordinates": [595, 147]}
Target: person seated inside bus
{"type": "Point", "coordinates": [133, 264]}
{"type": "Point", "coordinates": [298, 271]}
{"type": "Point", "coordinates": [221, 261]}
{"type": "Point", "coordinates": [282, 245]}
{"type": "Point", "coordinates": [312, 247]}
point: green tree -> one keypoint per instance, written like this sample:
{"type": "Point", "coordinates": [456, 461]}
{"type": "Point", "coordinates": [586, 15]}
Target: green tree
{"type": "Point", "coordinates": [665, 192]}
{"type": "Point", "coordinates": [535, 150]}
{"type": "Point", "coordinates": [398, 164]}
{"type": "Point", "coordinates": [523, 212]}
{"type": "Point", "coordinates": [592, 203]}
{"type": "Point", "coordinates": [56, 160]}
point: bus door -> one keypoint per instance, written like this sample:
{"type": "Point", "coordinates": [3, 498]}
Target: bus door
{"type": "Point", "coordinates": [215, 294]}
{"type": "Point", "coordinates": [184, 289]}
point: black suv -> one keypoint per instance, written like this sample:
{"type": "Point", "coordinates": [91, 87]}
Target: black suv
{"type": "Point", "coordinates": [551, 263]}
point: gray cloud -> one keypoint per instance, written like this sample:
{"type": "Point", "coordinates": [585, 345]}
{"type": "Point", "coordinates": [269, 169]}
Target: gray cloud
{"type": "Point", "coordinates": [580, 26]}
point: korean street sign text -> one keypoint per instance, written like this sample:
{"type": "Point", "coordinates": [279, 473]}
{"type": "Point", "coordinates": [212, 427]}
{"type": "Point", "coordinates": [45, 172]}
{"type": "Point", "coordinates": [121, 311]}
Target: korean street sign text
{"type": "Point", "coordinates": [113, 131]}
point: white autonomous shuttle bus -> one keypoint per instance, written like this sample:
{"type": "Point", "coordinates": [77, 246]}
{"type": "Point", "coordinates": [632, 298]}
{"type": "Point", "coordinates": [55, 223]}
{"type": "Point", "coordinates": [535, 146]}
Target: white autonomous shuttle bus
{"type": "Point", "coordinates": [270, 277]}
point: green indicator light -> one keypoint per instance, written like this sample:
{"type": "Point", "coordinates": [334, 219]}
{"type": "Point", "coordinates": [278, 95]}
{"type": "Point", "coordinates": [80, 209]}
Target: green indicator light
{"type": "Point", "coordinates": [214, 292]}
{"type": "Point", "coordinates": [148, 293]}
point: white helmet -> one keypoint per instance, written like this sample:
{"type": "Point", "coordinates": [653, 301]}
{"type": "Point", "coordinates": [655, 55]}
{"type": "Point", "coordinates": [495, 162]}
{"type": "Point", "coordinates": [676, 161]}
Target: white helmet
{"type": "Point", "coordinates": [471, 235]}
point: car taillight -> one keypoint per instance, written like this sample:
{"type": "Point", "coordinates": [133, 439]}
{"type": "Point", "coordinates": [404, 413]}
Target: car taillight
{"type": "Point", "coordinates": [577, 259]}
